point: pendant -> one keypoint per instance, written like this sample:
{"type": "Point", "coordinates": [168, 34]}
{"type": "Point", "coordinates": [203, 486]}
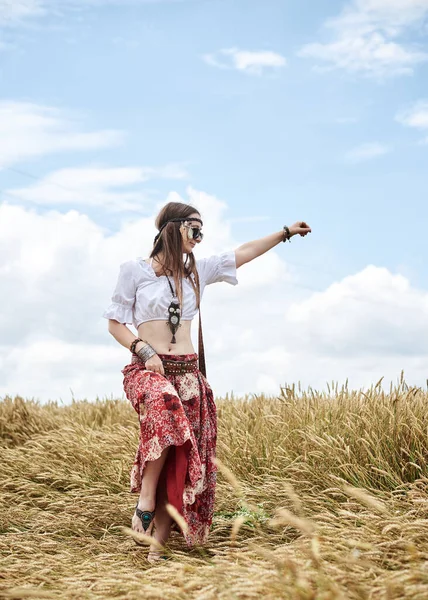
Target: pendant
{"type": "Point", "coordinates": [174, 316]}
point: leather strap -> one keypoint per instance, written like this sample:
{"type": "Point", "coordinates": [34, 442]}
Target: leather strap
{"type": "Point", "coordinates": [201, 353]}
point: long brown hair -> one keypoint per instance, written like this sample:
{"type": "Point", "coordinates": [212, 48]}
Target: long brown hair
{"type": "Point", "coordinates": [170, 244]}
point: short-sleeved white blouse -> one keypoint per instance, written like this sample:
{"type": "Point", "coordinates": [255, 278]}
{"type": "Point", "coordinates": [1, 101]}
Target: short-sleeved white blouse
{"type": "Point", "coordinates": [140, 295]}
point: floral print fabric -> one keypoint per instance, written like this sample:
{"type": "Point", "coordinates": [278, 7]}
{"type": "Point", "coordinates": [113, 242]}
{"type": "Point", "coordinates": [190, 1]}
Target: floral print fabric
{"type": "Point", "coordinates": [177, 411]}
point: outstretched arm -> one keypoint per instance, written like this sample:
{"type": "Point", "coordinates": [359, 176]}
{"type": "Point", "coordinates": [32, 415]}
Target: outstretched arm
{"type": "Point", "coordinates": [251, 250]}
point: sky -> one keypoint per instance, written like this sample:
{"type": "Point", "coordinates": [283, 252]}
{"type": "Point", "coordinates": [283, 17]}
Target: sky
{"type": "Point", "coordinates": [259, 114]}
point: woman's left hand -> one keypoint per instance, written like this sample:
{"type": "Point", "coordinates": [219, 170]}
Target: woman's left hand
{"type": "Point", "coordinates": [300, 227]}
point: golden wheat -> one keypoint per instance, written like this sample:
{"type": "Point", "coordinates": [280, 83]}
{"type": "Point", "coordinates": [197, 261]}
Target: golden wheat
{"type": "Point", "coordinates": [319, 496]}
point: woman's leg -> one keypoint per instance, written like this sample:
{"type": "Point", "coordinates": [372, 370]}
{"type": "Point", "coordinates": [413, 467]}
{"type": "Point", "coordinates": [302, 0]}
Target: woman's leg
{"type": "Point", "coordinates": [163, 521]}
{"type": "Point", "coordinates": [149, 484]}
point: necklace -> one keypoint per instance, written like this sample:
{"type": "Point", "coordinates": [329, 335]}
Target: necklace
{"type": "Point", "coordinates": [174, 313]}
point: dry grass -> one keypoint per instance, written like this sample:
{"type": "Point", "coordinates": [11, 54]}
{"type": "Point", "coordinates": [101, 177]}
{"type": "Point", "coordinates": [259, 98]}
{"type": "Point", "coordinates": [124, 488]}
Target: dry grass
{"type": "Point", "coordinates": [319, 496]}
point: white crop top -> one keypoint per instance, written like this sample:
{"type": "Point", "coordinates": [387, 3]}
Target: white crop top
{"type": "Point", "coordinates": [141, 295]}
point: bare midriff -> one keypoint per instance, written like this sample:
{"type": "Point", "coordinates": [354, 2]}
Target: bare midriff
{"type": "Point", "coordinates": [159, 336]}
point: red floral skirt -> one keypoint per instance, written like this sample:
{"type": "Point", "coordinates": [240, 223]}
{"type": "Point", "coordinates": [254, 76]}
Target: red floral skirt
{"type": "Point", "coordinates": [177, 411]}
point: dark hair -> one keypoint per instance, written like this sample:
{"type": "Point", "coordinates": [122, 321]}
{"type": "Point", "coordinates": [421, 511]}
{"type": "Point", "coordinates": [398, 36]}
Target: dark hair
{"type": "Point", "coordinates": [170, 243]}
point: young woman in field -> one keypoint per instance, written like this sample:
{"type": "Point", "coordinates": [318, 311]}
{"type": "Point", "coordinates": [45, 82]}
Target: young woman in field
{"type": "Point", "coordinates": [166, 386]}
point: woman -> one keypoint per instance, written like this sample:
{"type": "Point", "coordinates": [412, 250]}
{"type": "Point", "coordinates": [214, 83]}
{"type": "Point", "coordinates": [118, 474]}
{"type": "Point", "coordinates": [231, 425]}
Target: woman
{"type": "Point", "coordinates": [172, 397]}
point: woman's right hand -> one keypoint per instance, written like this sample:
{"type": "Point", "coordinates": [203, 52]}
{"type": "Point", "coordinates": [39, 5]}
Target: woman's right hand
{"type": "Point", "coordinates": [155, 364]}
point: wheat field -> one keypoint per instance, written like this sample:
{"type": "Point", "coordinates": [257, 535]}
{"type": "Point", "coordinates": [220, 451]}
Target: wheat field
{"type": "Point", "coordinates": [319, 496]}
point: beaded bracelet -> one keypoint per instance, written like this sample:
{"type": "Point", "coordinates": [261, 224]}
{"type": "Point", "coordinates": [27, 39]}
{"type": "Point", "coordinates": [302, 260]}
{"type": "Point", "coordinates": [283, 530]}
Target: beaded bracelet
{"type": "Point", "coordinates": [134, 343]}
{"type": "Point", "coordinates": [287, 234]}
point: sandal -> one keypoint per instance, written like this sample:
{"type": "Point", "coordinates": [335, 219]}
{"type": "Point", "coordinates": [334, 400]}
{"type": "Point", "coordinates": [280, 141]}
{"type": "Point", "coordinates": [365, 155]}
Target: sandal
{"type": "Point", "coordinates": [146, 517]}
{"type": "Point", "coordinates": [156, 556]}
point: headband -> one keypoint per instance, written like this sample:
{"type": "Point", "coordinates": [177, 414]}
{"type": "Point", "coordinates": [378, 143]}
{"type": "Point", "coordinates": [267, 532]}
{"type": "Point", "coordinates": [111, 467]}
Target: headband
{"type": "Point", "coordinates": [177, 219]}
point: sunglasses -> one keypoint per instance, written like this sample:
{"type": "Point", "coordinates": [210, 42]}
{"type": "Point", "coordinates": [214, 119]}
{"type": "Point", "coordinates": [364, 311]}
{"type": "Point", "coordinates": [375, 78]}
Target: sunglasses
{"type": "Point", "coordinates": [193, 233]}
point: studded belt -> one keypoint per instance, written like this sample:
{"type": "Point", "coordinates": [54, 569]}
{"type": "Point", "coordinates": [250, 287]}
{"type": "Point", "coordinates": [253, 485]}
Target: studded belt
{"type": "Point", "coordinates": [179, 367]}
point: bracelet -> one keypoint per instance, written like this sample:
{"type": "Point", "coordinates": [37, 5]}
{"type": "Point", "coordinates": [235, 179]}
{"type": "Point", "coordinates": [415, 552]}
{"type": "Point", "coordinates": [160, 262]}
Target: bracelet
{"type": "Point", "coordinates": [134, 343]}
{"type": "Point", "coordinates": [146, 352]}
{"type": "Point", "coordinates": [287, 234]}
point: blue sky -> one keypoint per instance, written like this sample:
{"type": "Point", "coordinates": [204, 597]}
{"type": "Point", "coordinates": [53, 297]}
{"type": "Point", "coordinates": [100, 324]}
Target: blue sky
{"type": "Point", "coordinates": [271, 145]}
{"type": "Point", "coordinates": [282, 110]}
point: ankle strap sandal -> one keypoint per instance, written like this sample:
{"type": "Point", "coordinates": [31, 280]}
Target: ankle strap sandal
{"type": "Point", "coordinates": [145, 516]}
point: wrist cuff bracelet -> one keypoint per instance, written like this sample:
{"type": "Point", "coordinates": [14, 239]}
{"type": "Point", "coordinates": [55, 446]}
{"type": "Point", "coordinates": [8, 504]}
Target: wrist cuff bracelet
{"type": "Point", "coordinates": [146, 353]}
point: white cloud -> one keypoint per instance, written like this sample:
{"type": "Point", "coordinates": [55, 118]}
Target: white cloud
{"type": "Point", "coordinates": [13, 11]}
{"type": "Point", "coordinates": [416, 116]}
{"type": "Point", "coordinates": [97, 186]}
{"type": "Point", "coordinates": [57, 274]}
{"type": "Point", "coordinates": [29, 130]}
{"type": "Point", "coordinates": [368, 37]}
{"type": "Point", "coordinates": [366, 152]}
{"type": "Point", "coordinates": [251, 62]}
{"type": "Point", "coordinates": [58, 271]}
{"type": "Point", "coordinates": [370, 313]}
{"type": "Point", "coordinates": [390, 14]}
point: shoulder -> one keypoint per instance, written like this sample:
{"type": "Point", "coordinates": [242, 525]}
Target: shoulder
{"type": "Point", "coordinates": [215, 259]}
{"type": "Point", "coordinates": [206, 263]}
{"type": "Point", "coordinates": [133, 269]}
{"type": "Point", "coordinates": [218, 267]}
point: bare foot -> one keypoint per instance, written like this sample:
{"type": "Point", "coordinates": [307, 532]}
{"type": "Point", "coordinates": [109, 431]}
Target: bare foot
{"type": "Point", "coordinates": [144, 520]}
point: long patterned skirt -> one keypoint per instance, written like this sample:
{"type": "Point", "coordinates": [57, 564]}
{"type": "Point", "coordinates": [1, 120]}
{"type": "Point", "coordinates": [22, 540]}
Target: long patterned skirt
{"type": "Point", "coordinates": [177, 411]}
